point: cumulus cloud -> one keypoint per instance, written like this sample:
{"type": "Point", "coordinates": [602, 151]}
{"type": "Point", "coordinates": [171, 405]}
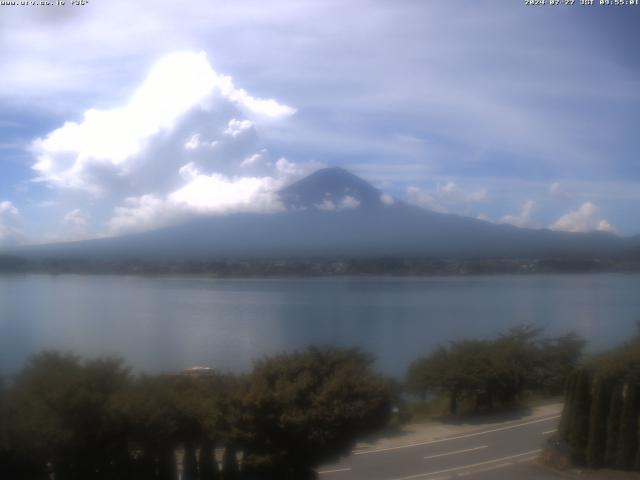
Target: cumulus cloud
{"type": "Point", "coordinates": [524, 218]}
{"type": "Point", "coordinates": [107, 145]}
{"type": "Point", "coordinates": [75, 219]}
{"type": "Point", "coordinates": [138, 214]}
{"type": "Point", "coordinates": [194, 143]}
{"type": "Point", "coordinates": [11, 232]}
{"type": "Point", "coordinates": [237, 127]}
{"type": "Point", "coordinates": [586, 218]}
{"type": "Point", "coordinates": [447, 198]}
{"type": "Point", "coordinates": [76, 225]}
{"type": "Point", "coordinates": [202, 195]}
{"type": "Point", "coordinates": [451, 193]}
{"type": "Point", "coordinates": [216, 193]}
{"type": "Point", "coordinates": [348, 202]}
{"type": "Point", "coordinates": [421, 198]}
{"type": "Point", "coordinates": [185, 143]}
{"type": "Point", "coordinates": [387, 199]}
{"type": "Point", "coordinates": [345, 203]}
{"type": "Point", "coordinates": [253, 159]}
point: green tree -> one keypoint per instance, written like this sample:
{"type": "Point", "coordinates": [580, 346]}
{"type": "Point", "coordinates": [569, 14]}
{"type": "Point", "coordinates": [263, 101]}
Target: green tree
{"type": "Point", "coordinates": [488, 372]}
{"type": "Point", "coordinates": [598, 423]}
{"type": "Point", "coordinates": [564, 429]}
{"type": "Point", "coordinates": [628, 440]}
{"type": "Point", "coordinates": [558, 358]}
{"type": "Point", "coordinates": [613, 425]}
{"type": "Point", "coordinates": [579, 428]}
{"type": "Point", "coordinates": [150, 408]}
{"type": "Point", "coordinates": [62, 413]}
{"type": "Point", "coordinates": [302, 409]}
{"type": "Point", "coordinates": [434, 374]}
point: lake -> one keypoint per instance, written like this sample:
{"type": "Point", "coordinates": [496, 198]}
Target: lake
{"type": "Point", "coordinates": [169, 323]}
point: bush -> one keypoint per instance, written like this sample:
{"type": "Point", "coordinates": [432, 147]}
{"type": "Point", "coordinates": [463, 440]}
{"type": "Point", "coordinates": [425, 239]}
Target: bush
{"type": "Point", "coordinates": [496, 372]}
{"type": "Point", "coordinates": [302, 409]}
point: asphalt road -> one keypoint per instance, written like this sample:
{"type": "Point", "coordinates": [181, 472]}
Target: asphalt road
{"type": "Point", "coordinates": [505, 451]}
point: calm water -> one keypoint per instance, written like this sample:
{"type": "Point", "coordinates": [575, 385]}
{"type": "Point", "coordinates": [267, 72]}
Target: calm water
{"type": "Point", "coordinates": [161, 324]}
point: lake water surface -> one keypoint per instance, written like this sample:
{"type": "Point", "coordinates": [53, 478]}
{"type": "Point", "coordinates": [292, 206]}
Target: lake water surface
{"type": "Point", "coordinates": [168, 323]}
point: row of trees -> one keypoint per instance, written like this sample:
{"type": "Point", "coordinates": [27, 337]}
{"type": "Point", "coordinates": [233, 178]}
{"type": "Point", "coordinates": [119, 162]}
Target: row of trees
{"type": "Point", "coordinates": [95, 420]}
{"type": "Point", "coordinates": [496, 372]}
{"type": "Point", "coordinates": [600, 421]}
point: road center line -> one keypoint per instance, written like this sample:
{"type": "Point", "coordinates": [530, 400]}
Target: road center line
{"type": "Point", "coordinates": [337, 470]}
{"type": "Point", "coordinates": [456, 452]}
{"type": "Point", "coordinates": [550, 431]}
{"type": "Point", "coordinates": [468, 435]}
{"type": "Point", "coordinates": [467, 467]}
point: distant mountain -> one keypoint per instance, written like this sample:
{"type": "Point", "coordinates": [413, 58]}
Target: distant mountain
{"type": "Point", "coordinates": [333, 213]}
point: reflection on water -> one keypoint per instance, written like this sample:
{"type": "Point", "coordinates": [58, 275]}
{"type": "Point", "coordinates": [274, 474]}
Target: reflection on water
{"type": "Point", "coordinates": [159, 323]}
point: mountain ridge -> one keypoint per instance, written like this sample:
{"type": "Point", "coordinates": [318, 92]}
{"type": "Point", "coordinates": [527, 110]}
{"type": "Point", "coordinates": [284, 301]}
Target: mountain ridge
{"type": "Point", "coordinates": [334, 213]}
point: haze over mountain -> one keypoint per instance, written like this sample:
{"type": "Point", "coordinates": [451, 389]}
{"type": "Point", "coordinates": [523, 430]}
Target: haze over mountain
{"type": "Point", "coordinates": [335, 213]}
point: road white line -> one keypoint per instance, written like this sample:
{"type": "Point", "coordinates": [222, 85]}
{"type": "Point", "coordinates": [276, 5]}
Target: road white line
{"type": "Point", "coordinates": [337, 470]}
{"type": "Point", "coordinates": [468, 435]}
{"type": "Point", "coordinates": [456, 452]}
{"type": "Point", "coordinates": [467, 467]}
{"type": "Point", "coordinates": [550, 431]}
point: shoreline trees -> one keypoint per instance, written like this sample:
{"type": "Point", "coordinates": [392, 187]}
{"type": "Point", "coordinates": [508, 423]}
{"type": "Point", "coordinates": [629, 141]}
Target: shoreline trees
{"type": "Point", "coordinates": [92, 419]}
{"type": "Point", "coordinates": [496, 372]}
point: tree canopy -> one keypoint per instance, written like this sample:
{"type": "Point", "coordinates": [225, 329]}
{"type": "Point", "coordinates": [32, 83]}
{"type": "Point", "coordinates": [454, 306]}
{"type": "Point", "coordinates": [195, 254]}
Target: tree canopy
{"type": "Point", "coordinates": [93, 419]}
{"type": "Point", "coordinates": [496, 371]}
{"type": "Point", "coordinates": [301, 409]}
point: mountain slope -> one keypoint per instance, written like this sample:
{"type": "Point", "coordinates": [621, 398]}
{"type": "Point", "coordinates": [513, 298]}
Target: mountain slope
{"type": "Point", "coordinates": [335, 213]}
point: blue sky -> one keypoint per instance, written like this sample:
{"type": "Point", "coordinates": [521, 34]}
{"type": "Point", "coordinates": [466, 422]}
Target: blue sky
{"type": "Point", "coordinates": [492, 109]}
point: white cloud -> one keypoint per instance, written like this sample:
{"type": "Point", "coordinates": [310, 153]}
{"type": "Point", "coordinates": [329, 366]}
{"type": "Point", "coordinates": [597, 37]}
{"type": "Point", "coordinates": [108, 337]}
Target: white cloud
{"type": "Point", "coordinates": [216, 194]}
{"type": "Point", "coordinates": [431, 74]}
{"type": "Point", "coordinates": [347, 202]}
{"type": "Point", "coordinates": [108, 145]}
{"type": "Point", "coordinates": [203, 194]}
{"type": "Point", "coordinates": [289, 171]}
{"type": "Point", "coordinates": [178, 148]}
{"type": "Point", "coordinates": [75, 219]}
{"type": "Point", "coordinates": [194, 143]}
{"type": "Point", "coordinates": [387, 199]}
{"type": "Point", "coordinates": [253, 160]}
{"type": "Point", "coordinates": [76, 225]}
{"type": "Point", "coordinates": [587, 218]}
{"type": "Point", "coordinates": [237, 127]}
{"type": "Point", "coordinates": [327, 205]}
{"type": "Point", "coordinates": [11, 232]}
{"type": "Point", "coordinates": [524, 218]}
{"type": "Point", "coordinates": [453, 194]}
{"type": "Point", "coordinates": [447, 198]}
{"type": "Point", "coordinates": [266, 107]}
{"type": "Point", "coordinates": [419, 197]}
{"type": "Point", "coordinates": [139, 214]}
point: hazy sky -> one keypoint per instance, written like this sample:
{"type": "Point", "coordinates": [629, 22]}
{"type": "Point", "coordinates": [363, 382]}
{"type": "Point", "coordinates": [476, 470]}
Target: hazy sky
{"type": "Point", "coordinates": [121, 116]}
